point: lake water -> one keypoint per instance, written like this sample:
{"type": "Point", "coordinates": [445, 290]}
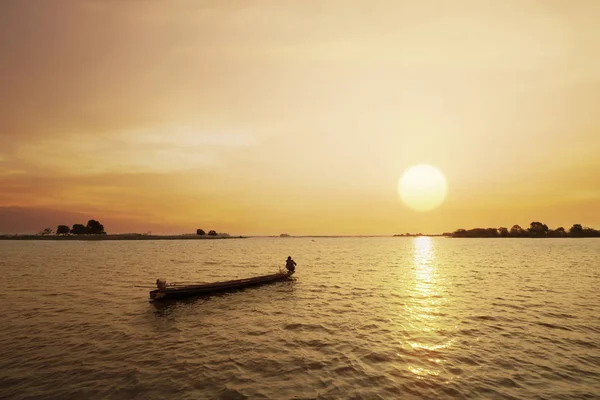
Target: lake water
{"type": "Point", "coordinates": [364, 318]}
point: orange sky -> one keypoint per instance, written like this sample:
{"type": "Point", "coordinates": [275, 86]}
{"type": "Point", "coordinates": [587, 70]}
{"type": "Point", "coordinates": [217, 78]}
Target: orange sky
{"type": "Point", "coordinates": [266, 117]}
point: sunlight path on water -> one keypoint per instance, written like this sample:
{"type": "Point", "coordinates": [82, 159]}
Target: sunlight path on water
{"type": "Point", "coordinates": [424, 308]}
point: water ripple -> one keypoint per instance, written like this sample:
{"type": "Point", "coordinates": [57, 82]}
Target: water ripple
{"type": "Point", "coordinates": [404, 318]}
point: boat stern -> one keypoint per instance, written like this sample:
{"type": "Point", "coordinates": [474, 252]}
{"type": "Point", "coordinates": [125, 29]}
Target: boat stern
{"type": "Point", "coordinates": [159, 293]}
{"type": "Point", "coordinates": [156, 294]}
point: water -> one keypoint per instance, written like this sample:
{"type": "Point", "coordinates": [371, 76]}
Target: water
{"type": "Point", "coordinates": [364, 318]}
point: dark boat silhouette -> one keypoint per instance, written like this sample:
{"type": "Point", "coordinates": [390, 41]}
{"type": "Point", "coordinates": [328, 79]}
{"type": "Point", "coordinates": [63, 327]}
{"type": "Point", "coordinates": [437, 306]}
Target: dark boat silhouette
{"type": "Point", "coordinates": [181, 290]}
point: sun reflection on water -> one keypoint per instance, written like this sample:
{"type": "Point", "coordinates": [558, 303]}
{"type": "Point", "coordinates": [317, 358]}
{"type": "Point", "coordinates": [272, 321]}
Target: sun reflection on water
{"type": "Point", "coordinates": [424, 309]}
{"type": "Point", "coordinates": [425, 277]}
{"type": "Point", "coordinates": [422, 371]}
{"type": "Point", "coordinates": [424, 257]}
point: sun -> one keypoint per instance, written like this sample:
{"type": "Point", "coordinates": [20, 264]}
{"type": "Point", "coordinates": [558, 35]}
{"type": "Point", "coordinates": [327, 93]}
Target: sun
{"type": "Point", "coordinates": [422, 187]}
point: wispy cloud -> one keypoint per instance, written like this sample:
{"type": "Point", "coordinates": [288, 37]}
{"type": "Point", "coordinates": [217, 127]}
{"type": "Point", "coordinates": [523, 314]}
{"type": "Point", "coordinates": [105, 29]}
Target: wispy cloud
{"type": "Point", "coordinates": [160, 149]}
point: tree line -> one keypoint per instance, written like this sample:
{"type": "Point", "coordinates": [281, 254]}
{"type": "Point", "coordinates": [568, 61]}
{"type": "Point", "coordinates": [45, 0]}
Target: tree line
{"type": "Point", "coordinates": [201, 232]}
{"type": "Point", "coordinates": [93, 227]}
{"type": "Point", "coordinates": [536, 230]}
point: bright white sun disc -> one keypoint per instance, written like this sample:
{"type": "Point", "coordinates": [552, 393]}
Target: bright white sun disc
{"type": "Point", "coordinates": [422, 187]}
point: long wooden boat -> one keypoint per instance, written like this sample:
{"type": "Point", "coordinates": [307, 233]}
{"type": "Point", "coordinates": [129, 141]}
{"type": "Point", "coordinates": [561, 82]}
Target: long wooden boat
{"type": "Point", "coordinates": [178, 291]}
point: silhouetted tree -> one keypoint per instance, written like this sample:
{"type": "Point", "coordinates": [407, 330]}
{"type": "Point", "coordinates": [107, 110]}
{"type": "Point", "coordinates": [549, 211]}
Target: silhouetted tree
{"type": "Point", "coordinates": [200, 232]}
{"type": "Point", "coordinates": [491, 232]}
{"type": "Point", "coordinates": [79, 229]}
{"type": "Point", "coordinates": [537, 229]}
{"type": "Point", "coordinates": [557, 233]}
{"type": "Point", "coordinates": [212, 233]}
{"type": "Point", "coordinates": [503, 232]}
{"type": "Point", "coordinates": [46, 231]}
{"type": "Point", "coordinates": [589, 232]}
{"type": "Point", "coordinates": [517, 231]}
{"type": "Point", "coordinates": [62, 230]}
{"type": "Point", "coordinates": [576, 230]}
{"type": "Point", "coordinates": [95, 228]}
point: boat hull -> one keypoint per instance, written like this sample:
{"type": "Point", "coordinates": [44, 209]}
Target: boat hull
{"type": "Point", "coordinates": [179, 292]}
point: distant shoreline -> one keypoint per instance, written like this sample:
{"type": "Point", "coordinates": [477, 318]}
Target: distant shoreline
{"type": "Point", "coordinates": [116, 237]}
{"type": "Point", "coordinates": [92, 238]}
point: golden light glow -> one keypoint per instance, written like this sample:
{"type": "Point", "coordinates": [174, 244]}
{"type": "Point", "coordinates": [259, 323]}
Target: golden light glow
{"type": "Point", "coordinates": [422, 187]}
{"type": "Point", "coordinates": [282, 117]}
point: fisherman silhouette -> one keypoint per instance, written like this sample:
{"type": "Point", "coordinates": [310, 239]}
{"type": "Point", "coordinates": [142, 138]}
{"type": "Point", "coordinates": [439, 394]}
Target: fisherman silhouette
{"type": "Point", "coordinates": [290, 265]}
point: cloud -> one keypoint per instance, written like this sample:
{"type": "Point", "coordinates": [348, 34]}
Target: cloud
{"type": "Point", "coordinates": [190, 136]}
{"type": "Point", "coordinates": [160, 149]}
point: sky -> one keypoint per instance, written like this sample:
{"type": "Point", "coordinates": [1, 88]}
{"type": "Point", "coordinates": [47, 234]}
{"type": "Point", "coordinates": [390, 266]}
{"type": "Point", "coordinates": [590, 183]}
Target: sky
{"type": "Point", "coordinates": [265, 117]}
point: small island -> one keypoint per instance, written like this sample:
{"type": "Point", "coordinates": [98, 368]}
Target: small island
{"type": "Point", "coordinates": [94, 230]}
{"type": "Point", "coordinates": [536, 230]}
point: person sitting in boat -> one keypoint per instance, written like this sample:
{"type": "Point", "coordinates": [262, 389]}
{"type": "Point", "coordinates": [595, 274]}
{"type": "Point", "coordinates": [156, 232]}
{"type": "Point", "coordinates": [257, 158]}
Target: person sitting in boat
{"type": "Point", "coordinates": [290, 264]}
